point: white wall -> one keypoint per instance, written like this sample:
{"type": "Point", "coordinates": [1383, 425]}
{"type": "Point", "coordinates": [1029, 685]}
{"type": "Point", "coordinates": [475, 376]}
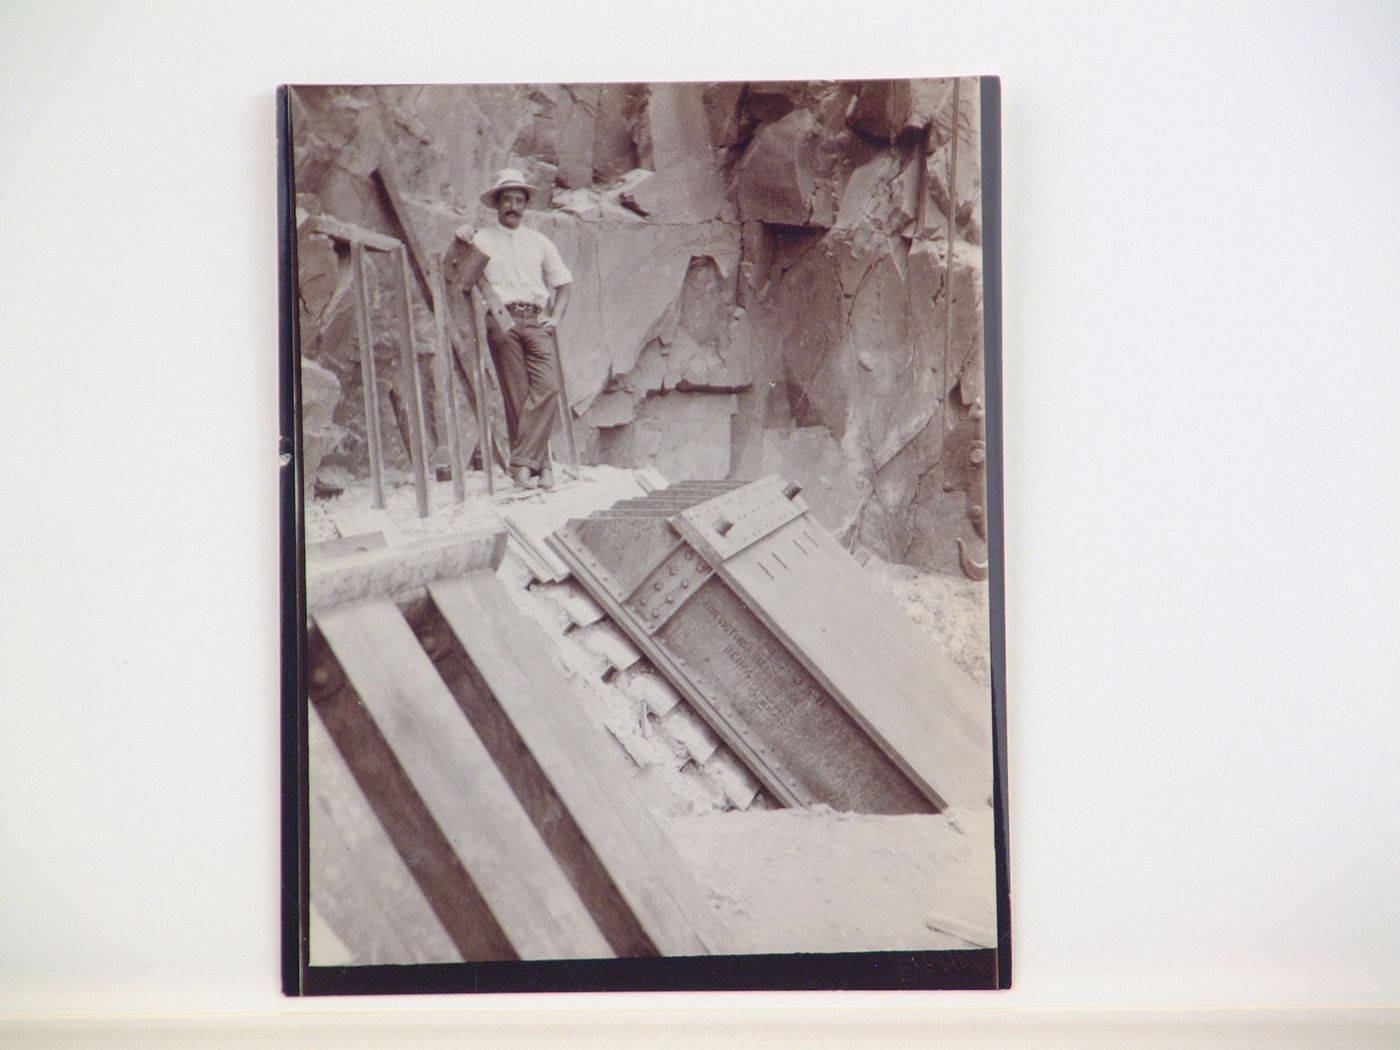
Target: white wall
{"type": "Point", "coordinates": [1202, 368]}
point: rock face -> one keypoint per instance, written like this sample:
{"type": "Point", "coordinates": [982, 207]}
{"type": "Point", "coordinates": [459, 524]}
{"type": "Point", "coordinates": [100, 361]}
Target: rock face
{"type": "Point", "coordinates": [320, 393]}
{"type": "Point", "coordinates": [762, 278]}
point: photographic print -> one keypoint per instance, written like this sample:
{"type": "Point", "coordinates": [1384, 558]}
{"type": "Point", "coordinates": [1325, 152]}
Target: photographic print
{"type": "Point", "coordinates": [642, 594]}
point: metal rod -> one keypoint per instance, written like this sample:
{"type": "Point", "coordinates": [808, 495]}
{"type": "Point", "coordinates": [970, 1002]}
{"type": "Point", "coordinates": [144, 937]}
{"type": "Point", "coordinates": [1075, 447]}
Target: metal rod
{"type": "Point", "coordinates": [368, 379]}
{"type": "Point", "coordinates": [413, 395]}
{"type": "Point", "coordinates": [483, 415]}
{"type": "Point", "coordinates": [447, 375]}
{"type": "Point", "coordinates": [421, 264]}
{"type": "Point", "coordinates": [350, 233]}
{"type": "Point", "coordinates": [474, 398]}
{"type": "Point", "coordinates": [566, 412]}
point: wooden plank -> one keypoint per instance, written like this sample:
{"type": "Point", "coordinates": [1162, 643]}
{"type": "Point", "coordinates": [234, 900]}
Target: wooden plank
{"type": "Point", "coordinates": [386, 178]}
{"type": "Point", "coordinates": [651, 689]}
{"type": "Point", "coordinates": [923, 710]}
{"type": "Point", "coordinates": [461, 267]}
{"type": "Point", "coordinates": [450, 768]}
{"type": "Point", "coordinates": [667, 501]}
{"type": "Point", "coordinates": [383, 573]}
{"type": "Point", "coordinates": [343, 545]}
{"type": "Point", "coordinates": [494, 306]}
{"type": "Point", "coordinates": [354, 521]}
{"type": "Point", "coordinates": [566, 410]}
{"type": "Point", "coordinates": [429, 276]}
{"type": "Point", "coordinates": [325, 948]}
{"type": "Point", "coordinates": [892, 903]}
{"type": "Point", "coordinates": [738, 783]}
{"type": "Point", "coordinates": [504, 649]}
{"type": "Point", "coordinates": [788, 726]}
{"type": "Point", "coordinates": [400, 811]}
{"type": "Point", "coordinates": [476, 384]}
{"type": "Point", "coordinates": [369, 378]}
{"type": "Point", "coordinates": [666, 512]}
{"type": "Point", "coordinates": [651, 479]}
{"type": "Point", "coordinates": [714, 485]}
{"type": "Point", "coordinates": [528, 782]}
{"type": "Point", "coordinates": [620, 552]}
{"type": "Point", "coordinates": [542, 564]}
{"type": "Point", "coordinates": [721, 527]}
{"type": "Point", "coordinates": [708, 489]}
{"type": "Point", "coordinates": [350, 233]}
{"type": "Point", "coordinates": [532, 523]}
{"type": "Point", "coordinates": [413, 394]}
{"type": "Point", "coordinates": [692, 733]}
{"type": "Point", "coordinates": [582, 609]}
{"type": "Point", "coordinates": [358, 882]}
{"type": "Point", "coordinates": [609, 642]}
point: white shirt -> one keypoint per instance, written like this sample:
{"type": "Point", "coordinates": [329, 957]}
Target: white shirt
{"type": "Point", "coordinates": [523, 264]}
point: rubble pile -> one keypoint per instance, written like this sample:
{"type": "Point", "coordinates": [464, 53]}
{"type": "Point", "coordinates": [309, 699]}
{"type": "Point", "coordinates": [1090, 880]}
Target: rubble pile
{"type": "Point", "coordinates": [761, 275]}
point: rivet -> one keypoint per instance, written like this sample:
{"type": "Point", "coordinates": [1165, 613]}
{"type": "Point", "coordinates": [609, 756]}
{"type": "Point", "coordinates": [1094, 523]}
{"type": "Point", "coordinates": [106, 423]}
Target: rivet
{"type": "Point", "coordinates": [673, 570]}
{"type": "Point", "coordinates": [670, 598]}
{"type": "Point", "coordinates": [656, 586]}
{"type": "Point", "coordinates": [685, 583]}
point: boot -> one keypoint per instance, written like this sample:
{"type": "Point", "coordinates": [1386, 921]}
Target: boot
{"type": "Point", "coordinates": [521, 476]}
{"type": "Point", "coordinates": [547, 477]}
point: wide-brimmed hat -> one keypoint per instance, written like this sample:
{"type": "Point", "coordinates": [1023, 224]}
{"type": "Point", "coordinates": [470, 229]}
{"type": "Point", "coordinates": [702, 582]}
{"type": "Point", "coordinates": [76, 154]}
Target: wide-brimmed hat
{"type": "Point", "coordinates": [509, 179]}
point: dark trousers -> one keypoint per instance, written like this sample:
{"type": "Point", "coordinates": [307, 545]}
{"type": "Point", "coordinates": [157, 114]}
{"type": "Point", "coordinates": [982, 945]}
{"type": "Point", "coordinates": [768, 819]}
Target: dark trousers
{"type": "Point", "coordinates": [525, 361]}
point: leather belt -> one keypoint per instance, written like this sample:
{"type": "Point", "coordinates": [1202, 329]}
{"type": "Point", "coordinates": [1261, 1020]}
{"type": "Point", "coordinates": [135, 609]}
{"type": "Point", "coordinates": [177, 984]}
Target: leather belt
{"type": "Point", "coordinates": [523, 309]}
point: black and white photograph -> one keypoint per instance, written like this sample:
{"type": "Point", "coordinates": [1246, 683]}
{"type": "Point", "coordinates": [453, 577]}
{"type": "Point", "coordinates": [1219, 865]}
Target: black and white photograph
{"type": "Point", "coordinates": [645, 517]}
{"type": "Point", "coordinates": [609, 525]}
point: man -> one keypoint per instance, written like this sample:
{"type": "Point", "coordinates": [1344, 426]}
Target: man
{"type": "Point", "coordinates": [526, 272]}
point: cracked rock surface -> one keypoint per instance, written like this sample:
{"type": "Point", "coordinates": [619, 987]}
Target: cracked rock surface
{"type": "Point", "coordinates": [762, 274]}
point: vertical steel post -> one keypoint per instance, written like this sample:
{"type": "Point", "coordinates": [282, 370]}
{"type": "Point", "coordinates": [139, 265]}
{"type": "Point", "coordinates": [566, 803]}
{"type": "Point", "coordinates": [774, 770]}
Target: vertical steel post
{"type": "Point", "coordinates": [566, 412]}
{"type": "Point", "coordinates": [368, 377]}
{"type": "Point", "coordinates": [483, 414]}
{"type": "Point", "coordinates": [443, 354]}
{"type": "Point", "coordinates": [413, 395]}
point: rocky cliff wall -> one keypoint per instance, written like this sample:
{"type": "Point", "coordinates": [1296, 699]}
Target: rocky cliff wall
{"type": "Point", "coordinates": [762, 275]}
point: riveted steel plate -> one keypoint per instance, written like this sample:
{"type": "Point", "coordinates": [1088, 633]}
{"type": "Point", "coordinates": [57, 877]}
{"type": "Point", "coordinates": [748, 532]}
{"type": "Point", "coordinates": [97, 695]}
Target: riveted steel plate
{"type": "Point", "coordinates": [618, 553]}
{"type": "Point", "coordinates": [667, 588]}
